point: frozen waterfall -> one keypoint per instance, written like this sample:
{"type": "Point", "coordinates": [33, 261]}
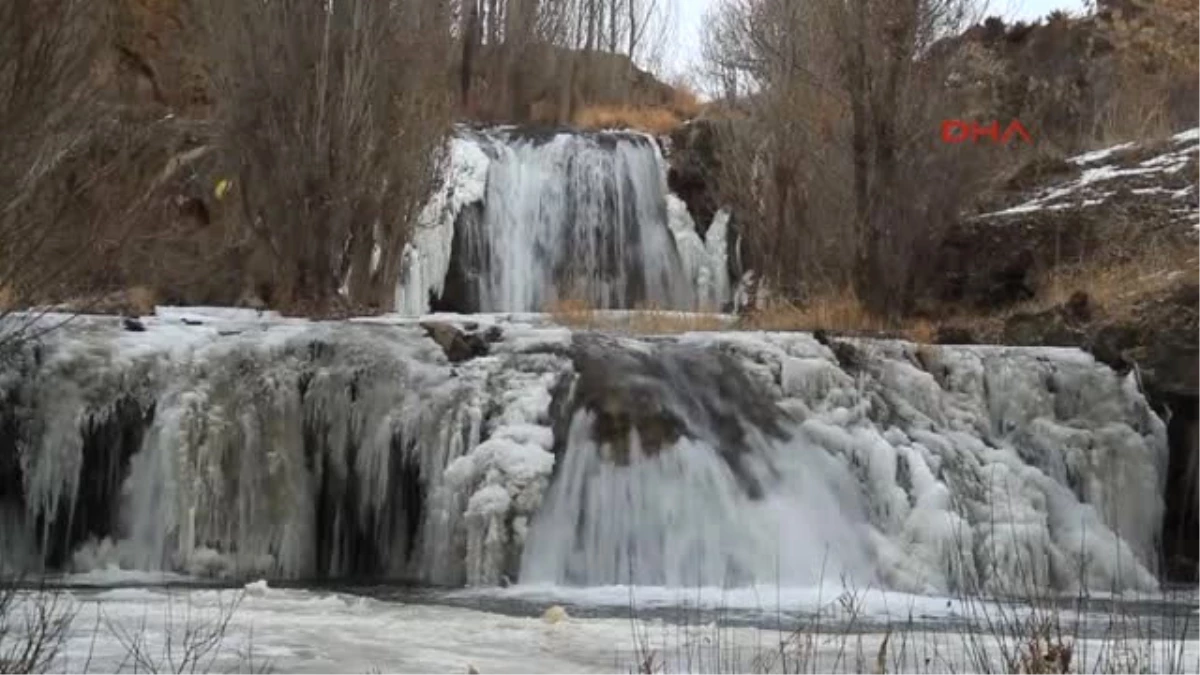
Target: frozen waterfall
{"type": "Point", "coordinates": [525, 220]}
{"type": "Point", "coordinates": [232, 445]}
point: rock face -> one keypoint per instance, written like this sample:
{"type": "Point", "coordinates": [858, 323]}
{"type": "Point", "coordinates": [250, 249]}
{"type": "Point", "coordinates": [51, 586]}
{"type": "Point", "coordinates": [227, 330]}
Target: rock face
{"type": "Point", "coordinates": [695, 169]}
{"type": "Point", "coordinates": [1094, 208]}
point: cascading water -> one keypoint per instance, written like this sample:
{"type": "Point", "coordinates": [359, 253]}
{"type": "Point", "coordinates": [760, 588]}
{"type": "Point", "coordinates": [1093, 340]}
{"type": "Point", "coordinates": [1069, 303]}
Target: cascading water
{"type": "Point", "coordinates": [526, 220]}
{"type": "Point", "coordinates": [294, 449]}
{"type": "Point", "coordinates": [677, 473]}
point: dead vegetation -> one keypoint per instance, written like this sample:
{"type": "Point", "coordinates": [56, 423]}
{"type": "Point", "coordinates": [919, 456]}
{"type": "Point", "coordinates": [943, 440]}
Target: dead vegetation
{"type": "Point", "coordinates": [659, 119]}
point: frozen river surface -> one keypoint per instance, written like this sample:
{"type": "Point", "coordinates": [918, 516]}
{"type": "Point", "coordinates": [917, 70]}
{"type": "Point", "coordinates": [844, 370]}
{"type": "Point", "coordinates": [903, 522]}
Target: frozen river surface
{"type": "Point", "coordinates": [135, 628]}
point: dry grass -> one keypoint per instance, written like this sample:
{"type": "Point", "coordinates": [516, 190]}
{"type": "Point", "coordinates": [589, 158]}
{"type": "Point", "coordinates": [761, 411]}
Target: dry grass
{"type": "Point", "coordinates": [650, 119]}
{"type": "Point", "coordinates": [684, 102]}
{"type": "Point", "coordinates": [644, 320]}
{"type": "Point", "coordinates": [654, 119]}
{"type": "Point", "coordinates": [1117, 287]}
{"type": "Point", "coordinates": [1114, 290]}
{"type": "Point", "coordinates": [838, 310]}
{"type": "Point", "coordinates": [142, 299]}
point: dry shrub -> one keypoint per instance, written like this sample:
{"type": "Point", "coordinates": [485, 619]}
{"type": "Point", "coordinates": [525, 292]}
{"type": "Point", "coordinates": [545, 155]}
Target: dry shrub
{"type": "Point", "coordinates": [650, 119]}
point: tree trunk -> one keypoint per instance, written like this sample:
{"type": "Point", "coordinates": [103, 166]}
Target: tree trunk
{"type": "Point", "coordinates": [470, 44]}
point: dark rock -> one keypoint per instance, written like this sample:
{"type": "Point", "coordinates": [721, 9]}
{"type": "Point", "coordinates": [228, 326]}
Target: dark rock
{"type": "Point", "coordinates": [1078, 308]}
{"type": "Point", "coordinates": [1110, 344]}
{"type": "Point", "coordinates": [493, 334]}
{"type": "Point", "coordinates": [133, 325]}
{"type": "Point", "coordinates": [695, 169]}
{"type": "Point", "coordinates": [192, 322]}
{"type": "Point", "coordinates": [469, 253]}
{"type": "Point", "coordinates": [1047, 329]}
{"type": "Point", "coordinates": [954, 335]}
{"type": "Point", "coordinates": [1181, 520]}
{"type": "Point", "coordinates": [676, 391]}
{"type": "Point", "coordinates": [848, 356]}
{"type": "Point", "coordinates": [457, 345]}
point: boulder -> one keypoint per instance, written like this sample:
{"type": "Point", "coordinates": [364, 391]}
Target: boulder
{"type": "Point", "coordinates": [674, 392]}
{"type": "Point", "coordinates": [458, 345]}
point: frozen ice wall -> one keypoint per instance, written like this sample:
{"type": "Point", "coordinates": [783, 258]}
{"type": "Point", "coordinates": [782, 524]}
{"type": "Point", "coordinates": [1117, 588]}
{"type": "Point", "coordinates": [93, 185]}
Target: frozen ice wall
{"type": "Point", "coordinates": [929, 469]}
{"type": "Point", "coordinates": [231, 445]}
{"type": "Point", "coordinates": [527, 219]}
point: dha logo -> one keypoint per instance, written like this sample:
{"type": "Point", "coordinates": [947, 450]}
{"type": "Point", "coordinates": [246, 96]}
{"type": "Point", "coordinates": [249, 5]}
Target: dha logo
{"type": "Point", "coordinates": [961, 131]}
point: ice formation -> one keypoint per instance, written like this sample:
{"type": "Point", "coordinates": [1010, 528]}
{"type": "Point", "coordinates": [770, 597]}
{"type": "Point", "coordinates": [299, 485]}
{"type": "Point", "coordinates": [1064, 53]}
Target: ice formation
{"type": "Point", "coordinates": [276, 448]}
{"type": "Point", "coordinates": [524, 220]}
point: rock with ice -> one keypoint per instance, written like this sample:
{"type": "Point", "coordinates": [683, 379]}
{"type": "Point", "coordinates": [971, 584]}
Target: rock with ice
{"type": "Point", "coordinates": [265, 448]}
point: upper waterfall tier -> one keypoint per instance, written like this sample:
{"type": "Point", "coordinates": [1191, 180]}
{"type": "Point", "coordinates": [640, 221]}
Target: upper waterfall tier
{"type": "Point", "coordinates": [524, 220]}
{"type": "Point", "coordinates": [237, 445]}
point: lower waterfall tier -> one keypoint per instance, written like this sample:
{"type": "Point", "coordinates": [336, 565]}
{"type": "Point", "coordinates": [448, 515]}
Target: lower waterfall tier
{"type": "Point", "coordinates": [225, 444]}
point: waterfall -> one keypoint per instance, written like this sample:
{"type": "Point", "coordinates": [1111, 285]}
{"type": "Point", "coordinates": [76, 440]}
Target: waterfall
{"type": "Point", "coordinates": [231, 445]}
{"type": "Point", "coordinates": [526, 220]}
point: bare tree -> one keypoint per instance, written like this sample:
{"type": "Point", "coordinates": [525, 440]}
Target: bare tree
{"type": "Point", "coordinates": [48, 100]}
{"type": "Point", "coordinates": [331, 116]}
{"type": "Point", "coordinates": [842, 99]}
{"type": "Point", "coordinates": [34, 625]}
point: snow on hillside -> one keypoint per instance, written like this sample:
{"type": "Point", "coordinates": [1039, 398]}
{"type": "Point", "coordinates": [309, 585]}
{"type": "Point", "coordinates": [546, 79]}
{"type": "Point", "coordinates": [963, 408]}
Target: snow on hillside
{"type": "Point", "coordinates": [1125, 166]}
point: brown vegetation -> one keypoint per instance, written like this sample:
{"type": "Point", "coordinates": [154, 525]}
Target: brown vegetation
{"type": "Point", "coordinates": [652, 120]}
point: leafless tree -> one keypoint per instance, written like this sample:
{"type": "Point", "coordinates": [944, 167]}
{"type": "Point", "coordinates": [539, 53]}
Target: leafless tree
{"type": "Point", "coordinates": [48, 100]}
{"type": "Point", "coordinates": [33, 626]}
{"type": "Point", "coordinates": [331, 116]}
{"type": "Point", "coordinates": [536, 47]}
{"type": "Point", "coordinates": [842, 99]}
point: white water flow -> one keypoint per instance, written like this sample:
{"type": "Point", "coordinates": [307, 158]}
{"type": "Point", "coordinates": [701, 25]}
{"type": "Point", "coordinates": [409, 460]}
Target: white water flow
{"type": "Point", "coordinates": [528, 220]}
{"type": "Point", "coordinates": [680, 518]}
